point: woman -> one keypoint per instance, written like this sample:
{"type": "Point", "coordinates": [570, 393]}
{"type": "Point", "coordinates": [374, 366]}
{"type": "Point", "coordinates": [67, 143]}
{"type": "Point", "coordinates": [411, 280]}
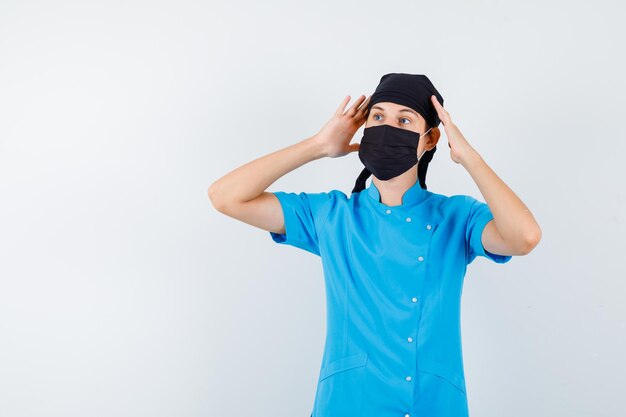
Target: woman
{"type": "Point", "coordinates": [394, 253]}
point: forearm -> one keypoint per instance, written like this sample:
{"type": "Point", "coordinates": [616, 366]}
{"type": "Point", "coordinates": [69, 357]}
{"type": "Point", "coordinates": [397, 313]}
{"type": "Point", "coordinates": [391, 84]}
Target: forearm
{"type": "Point", "coordinates": [250, 180]}
{"type": "Point", "coordinates": [514, 222]}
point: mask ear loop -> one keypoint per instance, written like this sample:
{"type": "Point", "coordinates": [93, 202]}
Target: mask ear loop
{"type": "Point", "coordinates": [420, 157]}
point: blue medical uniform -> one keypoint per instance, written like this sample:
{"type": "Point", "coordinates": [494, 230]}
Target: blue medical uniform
{"type": "Point", "coordinates": [393, 280]}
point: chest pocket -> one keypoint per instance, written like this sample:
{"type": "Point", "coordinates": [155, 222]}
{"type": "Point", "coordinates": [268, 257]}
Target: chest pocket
{"type": "Point", "coordinates": [340, 387]}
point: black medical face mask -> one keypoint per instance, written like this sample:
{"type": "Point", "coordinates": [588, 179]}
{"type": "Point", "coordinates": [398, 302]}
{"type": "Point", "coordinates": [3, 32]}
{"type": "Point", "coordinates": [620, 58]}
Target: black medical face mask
{"type": "Point", "coordinates": [388, 151]}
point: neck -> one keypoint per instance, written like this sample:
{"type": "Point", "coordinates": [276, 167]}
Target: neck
{"type": "Point", "coordinates": [392, 190]}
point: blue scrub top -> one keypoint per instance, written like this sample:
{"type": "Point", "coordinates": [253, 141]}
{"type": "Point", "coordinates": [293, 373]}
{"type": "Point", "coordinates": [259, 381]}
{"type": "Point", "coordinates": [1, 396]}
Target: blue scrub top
{"type": "Point", "coordinates": [393, 279]}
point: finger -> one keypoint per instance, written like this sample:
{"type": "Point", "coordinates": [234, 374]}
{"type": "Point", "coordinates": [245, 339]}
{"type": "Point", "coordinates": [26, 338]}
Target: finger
{"type": "Point", "coordinates": [442, 113]}
{"type": "Point", "coordinates": [352, 110]}
{"type": "Point", "coordinates": [342, 106]}
{"type": "Point", "coordinates": [437, 105]}
{"type": "Point", "coordinates": [363, 109]}
{"type": "Point", "coordinates": [354, 147]}
{"type": "Point", "coordinates": [440, 109]}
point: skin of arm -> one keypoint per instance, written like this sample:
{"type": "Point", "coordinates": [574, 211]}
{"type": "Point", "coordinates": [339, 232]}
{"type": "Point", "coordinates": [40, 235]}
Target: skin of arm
{"type": "Point", "coordinates": [241, 193]}
{"type": "Point", "coordinates": [513, 230]}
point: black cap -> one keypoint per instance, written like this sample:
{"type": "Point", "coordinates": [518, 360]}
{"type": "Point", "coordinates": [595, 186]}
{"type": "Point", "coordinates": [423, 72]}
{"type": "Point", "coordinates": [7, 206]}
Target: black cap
{"type": "Point", "coordinates": [410, 90]}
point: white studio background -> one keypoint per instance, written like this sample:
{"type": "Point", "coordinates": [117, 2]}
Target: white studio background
{"type": "Point", "coordinates": [123, 292]}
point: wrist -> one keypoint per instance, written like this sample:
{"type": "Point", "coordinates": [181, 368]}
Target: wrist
{"type": "Point", "coordinates": [470, 158]}
{"type": "Point", "coordinates": [316, 147]}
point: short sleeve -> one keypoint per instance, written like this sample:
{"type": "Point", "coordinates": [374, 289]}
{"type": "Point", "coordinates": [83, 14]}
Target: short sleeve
{"type": "Point", "coordinates": [478, 217]}
{"type": "Point", "coordinates": [304, 214]}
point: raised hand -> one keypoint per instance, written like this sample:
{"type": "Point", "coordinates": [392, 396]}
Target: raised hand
{"type": "Point", "coordinates": [459, 146]}
{"type": "Point", "coordinates": [336, 134]}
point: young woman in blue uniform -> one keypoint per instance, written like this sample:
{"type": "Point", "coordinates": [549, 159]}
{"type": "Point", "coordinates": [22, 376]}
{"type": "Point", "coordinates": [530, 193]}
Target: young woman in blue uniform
{"type": "Point", "coordinates": [394, 254]}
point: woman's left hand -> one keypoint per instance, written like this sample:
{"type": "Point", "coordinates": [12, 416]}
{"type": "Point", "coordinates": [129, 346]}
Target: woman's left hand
{"type": "Point", "coordinates": [459, 147]}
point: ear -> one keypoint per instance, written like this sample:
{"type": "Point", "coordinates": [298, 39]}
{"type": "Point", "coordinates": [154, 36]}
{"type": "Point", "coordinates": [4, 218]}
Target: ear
{"type": "Point", "coordinates": [432, 138]}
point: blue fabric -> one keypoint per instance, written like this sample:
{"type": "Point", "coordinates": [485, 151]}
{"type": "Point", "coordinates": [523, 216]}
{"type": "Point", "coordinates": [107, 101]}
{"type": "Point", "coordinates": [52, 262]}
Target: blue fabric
{"type": "Point", "coordinates": [394, 278]}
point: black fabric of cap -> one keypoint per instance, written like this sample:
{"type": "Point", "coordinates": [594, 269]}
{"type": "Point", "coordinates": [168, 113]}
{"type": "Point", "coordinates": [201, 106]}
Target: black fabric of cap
{"type": "Point", "coordinates": [410, 90]}
{"type": "Point", "coordinates": [413, 91]}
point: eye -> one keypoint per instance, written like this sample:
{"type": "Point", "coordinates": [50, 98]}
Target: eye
{"type": "Point", "coordinates": [402, 118]}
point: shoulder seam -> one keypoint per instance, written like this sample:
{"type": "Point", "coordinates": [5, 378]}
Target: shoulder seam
{"type": "Point", "coordinates": [327, 214]}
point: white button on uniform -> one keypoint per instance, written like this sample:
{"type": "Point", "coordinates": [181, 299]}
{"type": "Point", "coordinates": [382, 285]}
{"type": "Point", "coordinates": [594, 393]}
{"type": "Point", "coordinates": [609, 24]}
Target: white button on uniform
{"type": "Point", "coordinates": [410, 339]}
{"type": "Point", "coordinates": [414, 299]}
{"type": "Point", "coordinates": [428, 227]}
{"type": "Point", "coordinates": [407, 415]}
{"type": "Point", "coordinates": [408, 219]}
{"type": "Point", "coordinates": [388, 211]}
{"type": "Point", "coordinates": [408, 378]}
{"type": "Point", "coordinates": [421, 258]}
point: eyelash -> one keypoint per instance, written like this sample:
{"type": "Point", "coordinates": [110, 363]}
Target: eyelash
{"type": "Point", "coordinates": [378, 114]}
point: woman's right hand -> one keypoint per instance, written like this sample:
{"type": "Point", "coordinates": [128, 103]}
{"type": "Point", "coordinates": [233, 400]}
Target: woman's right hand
{"type": "Point", "coordinates": [334, 138]}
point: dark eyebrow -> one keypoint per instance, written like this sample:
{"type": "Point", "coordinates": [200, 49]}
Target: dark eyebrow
{"type": "Point", "coordinates": [402, 110]}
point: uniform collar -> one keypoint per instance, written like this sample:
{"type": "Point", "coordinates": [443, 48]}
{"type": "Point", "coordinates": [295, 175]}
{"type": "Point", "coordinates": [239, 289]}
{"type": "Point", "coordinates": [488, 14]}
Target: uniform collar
{"type": "Point", "coordinates": [413, 195]}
